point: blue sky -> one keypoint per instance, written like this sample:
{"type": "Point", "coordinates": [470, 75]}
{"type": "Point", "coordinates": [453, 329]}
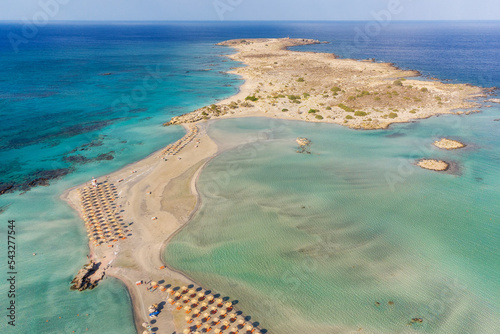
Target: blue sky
{"type": "Point", "coordinates": [248, 9]}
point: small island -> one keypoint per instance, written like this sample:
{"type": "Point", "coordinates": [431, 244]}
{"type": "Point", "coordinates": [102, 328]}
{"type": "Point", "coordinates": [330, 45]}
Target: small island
{"type": "Point", "coordinates": [448, 144]}
{"type": "Point", "coordinates": [320, 87]}
{"type": "Point", "coordinates": [435, 165]}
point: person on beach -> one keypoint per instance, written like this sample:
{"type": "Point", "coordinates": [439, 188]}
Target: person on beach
{"type": "Point", "coordinates": [94, 182]}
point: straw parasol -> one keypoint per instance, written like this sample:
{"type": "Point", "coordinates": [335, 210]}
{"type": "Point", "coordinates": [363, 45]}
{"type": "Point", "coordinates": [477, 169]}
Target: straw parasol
{"type": "Point", "coordinates": [187, 331]}
{"type": "Point", "coordinates": [225, 323]}
{"type": "Point", "coordinates": [217, 331]}
{"type": "Point", "coordinates": [241, 322]}
{"type": "Point", "coordinates": [232, 315]}
{"type": "Point", "coordinates": [145, 324]}
{"type": "Point", "coordinates": [228, 305]}
{"type": "Point", "coordinates": [234, 330]}
{"type": "Point", "coordinates": [216, 320]}
{"type": "Point", "coordinates": [249, 328]}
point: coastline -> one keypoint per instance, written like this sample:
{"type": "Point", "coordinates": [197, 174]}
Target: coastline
{"type": "Point", "coordinates": [320, 87]}
{"type": "Point", "coordinates": [148, 238]}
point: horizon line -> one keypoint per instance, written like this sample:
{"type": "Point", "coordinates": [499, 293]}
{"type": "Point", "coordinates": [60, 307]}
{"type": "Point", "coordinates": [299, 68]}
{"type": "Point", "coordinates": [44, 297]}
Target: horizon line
{"type": "Point", "coordinates": [233, 21]}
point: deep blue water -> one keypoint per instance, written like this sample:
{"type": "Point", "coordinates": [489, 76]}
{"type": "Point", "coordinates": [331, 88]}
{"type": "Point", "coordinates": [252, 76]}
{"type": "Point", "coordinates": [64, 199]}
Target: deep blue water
{"type": "Point", "coordinates": [76, 95]}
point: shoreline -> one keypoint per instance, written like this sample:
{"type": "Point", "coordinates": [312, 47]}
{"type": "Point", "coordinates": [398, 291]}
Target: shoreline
{"type": "Point", "coordinates": [136, 258]}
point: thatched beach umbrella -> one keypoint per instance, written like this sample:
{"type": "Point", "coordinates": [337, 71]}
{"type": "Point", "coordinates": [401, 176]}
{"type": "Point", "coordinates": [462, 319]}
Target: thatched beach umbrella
{"type": "Point", "coordinates": [201, 295]}
{"type": "Point", "coordinates": [232, 316]}
{"type": "Point", "coordinates": [228, 305]}
{"type": "Point", "coordinates": [219, 301]}
{"type": "Point", "coordinates": [225, 323]}
{"type": "Point", "coordinates": [234, 330]}
{"type": "Point", "coordinates": [145, 324]}
{"type": "Point", "coordinates": [217, 331]}
{"type": "Point", "coordinates": [249, 328]}
{"type": "Point", "coordinates": [184, 289]}
{"type": "Point", "coordinates": [197, 323]}
{"type": "Point", "coordinates": [223, 312]}
{"type": "Point", "coordinates": [203, 304]}
{"type": "Point", "coordinates": [192, 292]}
{"type": "Point", "coordinates": [187, 309]}
{"type": "Point", "coordinates": [241, 322]}
{"type": "Point", "coordinates": [170, 301]}
{"type": "Point", "coordinates": [213, 309]}
{"type": "Point", "coordinates": [205, 315]}
{"type": "Point", "coordinates": [210, 298]}
{"type": "Point", "coordinates": [189, 319]}
{"type": "Point", "coordinates": [187, 331]}
{"type": "Point", "coordinates": [216, 320]}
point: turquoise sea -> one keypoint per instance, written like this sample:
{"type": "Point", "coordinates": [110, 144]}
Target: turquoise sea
{"type": "Point", "coordinates": [305, 243]}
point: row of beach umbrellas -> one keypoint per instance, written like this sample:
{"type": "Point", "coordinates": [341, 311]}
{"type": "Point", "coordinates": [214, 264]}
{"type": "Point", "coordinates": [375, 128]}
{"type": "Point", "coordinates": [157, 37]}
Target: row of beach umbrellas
{"type": "Point", "coordinates": [100, 214]}
{"type": "Point", "coordinates": [175, 148]}
{"type": "Point", "coordinates": [205, 313]}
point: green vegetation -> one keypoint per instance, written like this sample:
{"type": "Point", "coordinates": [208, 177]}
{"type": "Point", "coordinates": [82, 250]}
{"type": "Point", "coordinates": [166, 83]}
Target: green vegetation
{"type": "Point", "coordinates": [328, 108]}
{"type": "Point", "coordinates": [393, 115]}
{"type": "Point", "coordinates": [345, 108]}
{"type": "Point", "coordinates": [377, 98]}
{"type": "Point", "coordinates": [397, 83]}
{"type": "Point", "coordinates": [300, 79]}
{"type": "Point", "coordinates": [294, 97]}
{"type": "Point", "coordinates": [424, 89]}
{"type": "Point", "coordinates": [438, 98]}
{"type": "Point", "coordinates": [349, 117]}
{"type": "Point", "coordinates": [335, 89]}
{"type": "Point", "coordinates": [312, 111]}
{"type": "Point", "coordinates": [413, 111]}
{"type": "Point", "coordinates": [351, 98]}
{"type": "Point", "coordinates": [360, 113]}
{"type": "Point", "coordinates": [233, 105]}
{"type": "Point", "coordinates": [251, 98]}
{"type": "Point", "coordinates": [284, 110]}
{"type": "Point", "coordinates": [363, 93]}
{"type": "Point", "coordinates": [204, 113]}
{"type": "Point", "coordinates": [318, 117]}
{"type": "Point", "coordinates": [306, 95]}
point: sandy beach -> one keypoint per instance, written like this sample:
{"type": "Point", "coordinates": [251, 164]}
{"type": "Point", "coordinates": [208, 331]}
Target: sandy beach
{"type": "Point", "coordinates": [157, 195]}
{"type": "Point", "coordinates": [151, 188]}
